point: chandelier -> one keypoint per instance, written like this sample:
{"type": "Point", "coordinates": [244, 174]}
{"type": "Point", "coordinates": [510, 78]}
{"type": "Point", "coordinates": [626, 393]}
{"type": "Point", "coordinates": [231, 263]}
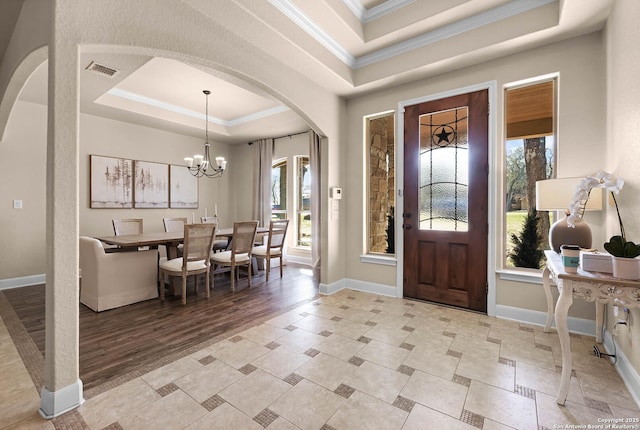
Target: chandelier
{"type": "Point", "coordinates": [200, 165]}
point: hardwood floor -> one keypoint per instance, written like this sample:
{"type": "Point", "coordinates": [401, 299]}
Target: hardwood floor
{"type": "Point", "coordinates": [120, 344]}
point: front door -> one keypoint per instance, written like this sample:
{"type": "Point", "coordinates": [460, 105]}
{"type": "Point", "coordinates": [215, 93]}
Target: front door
{"type": "Point", "coordinates": [446, 199]}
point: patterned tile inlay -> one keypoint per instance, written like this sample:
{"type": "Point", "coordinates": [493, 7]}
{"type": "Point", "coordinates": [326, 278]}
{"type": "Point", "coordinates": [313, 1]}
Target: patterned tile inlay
{"type": "Point", "coordinates": [506, 361]}
{"type": "Point", "coordinates": [336, 319]}
{"type": "Point", "coordinates": [409, 329]}
{"type": "Point", "coordinates": [597, 405]}
{"type": "Point", "coordinates": [406, 370]}
{"type": "Point", "coordinates": [409, 304]}
{"type": "Point", "coordinates": [351, 298]}
{"type": "Point", "coordinates": [379, 301]}
{"type": "Point", "coordinates": [526, 392]}
{"type": "Point", "coordinates": [247, 368]}
{"type": "Point", "coordinates": [462, 380]}
{"type": "Point", "coordinates": [453, 353]}
{"type": "Point", "coordinates": [404, 403]}
{"type": "Point", "coordinates": [364, 339]}
{"type": "Point", "coordinates": [325, 333]}
{"type": "Point", "coordinates": [494, 340]}
{"type": "Point", "coordinates": [207, 360]}
{"type": "Point", "coordinates": [311, 352]}
{"type": "Point", "coordinates": [344, 307]}
{"type": "Point", "coordinates": [293, 379]}
{"type": "Point", "coordinates": [327, 427]}
{"type": "Point", "coordinates": [484, 324]}
{"type": "Point", "coordinates": [235, 339]}
{"type": "Point", "coordinates": [272, 345]}
{"type": "Point", "coordinates": [357, 361]}
{"type": "Point", "coordinates": [472, 419]}
{"type": "Point", "coordinates": [443, 319]}
{"type": "Point", "coordinates": [407, 346]}
{"type": "Point", "coordinates": [408, 315]}
{"type": "Point", "coordinates": [114, 426]}
{"type": "Point", "coordinates": [291, 327]}
{"type": "Point", "coordinates": [213, 402]}
{"type": "Point", "coordinates": [167, 389]}
{"type": "Point", "coordinates": [543, 347]}
{"type": "Point", "coordinates": [344, 390]}
{"type": "Point", "coordinates": [375, 311]}
{"type": "Point", "coordinates": [371, 324]}
{"type": "Point", "coordinates": [448, 334]}
{"type": "Point", "coordinates": [266, 417]}
{"type": "Point", "coordinates": [524, 328]}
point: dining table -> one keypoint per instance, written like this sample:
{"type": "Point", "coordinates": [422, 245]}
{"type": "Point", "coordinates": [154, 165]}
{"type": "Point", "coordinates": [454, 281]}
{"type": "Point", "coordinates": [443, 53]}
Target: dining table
{"type": "Point", "coordinates": [171, 240]}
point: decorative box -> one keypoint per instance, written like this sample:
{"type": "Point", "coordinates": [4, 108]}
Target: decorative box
{"type": "Point", "coordinates": [595, 261]}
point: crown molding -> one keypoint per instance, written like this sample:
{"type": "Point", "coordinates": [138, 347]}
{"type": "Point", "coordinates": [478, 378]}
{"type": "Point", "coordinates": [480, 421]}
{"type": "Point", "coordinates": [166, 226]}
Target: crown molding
{"type": "Point", "coordinates": [508, 10]}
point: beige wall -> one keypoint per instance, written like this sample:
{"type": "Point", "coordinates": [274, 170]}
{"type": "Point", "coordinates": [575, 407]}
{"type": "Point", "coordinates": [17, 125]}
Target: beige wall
{"type": "Point", "coordinates": [623, 137]}
{"type": "Point", "coordinates": [23, 230]}
{"type": "Point", "coordinates": [581, 134]}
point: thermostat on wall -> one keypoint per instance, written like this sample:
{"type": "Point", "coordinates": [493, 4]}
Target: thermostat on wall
{"type": "Point", "coordinates": [336, 193]}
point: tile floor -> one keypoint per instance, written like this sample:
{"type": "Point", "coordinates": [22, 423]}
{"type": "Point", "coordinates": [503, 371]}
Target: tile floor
{"type": "Point", "coordinates": [351, 361]}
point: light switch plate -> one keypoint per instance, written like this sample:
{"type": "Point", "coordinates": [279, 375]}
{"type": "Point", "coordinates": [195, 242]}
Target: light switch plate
{"type": "Point", "coordinates": [17, 204]}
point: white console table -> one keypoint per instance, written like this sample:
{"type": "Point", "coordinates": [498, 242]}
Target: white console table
{"type": "Point", "coordinates": [601, 288]}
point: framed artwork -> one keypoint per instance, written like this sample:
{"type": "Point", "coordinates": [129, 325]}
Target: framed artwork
{"type": "Point", "coordinates": [184, 188]}
{"type": "Point", "coordinates": [110, 182]}
{"type": "Point", "coordinates": [151, 185]}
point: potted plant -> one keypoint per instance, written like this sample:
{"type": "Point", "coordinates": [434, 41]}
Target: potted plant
{"type": "Point", "coordinates": [623, 252]}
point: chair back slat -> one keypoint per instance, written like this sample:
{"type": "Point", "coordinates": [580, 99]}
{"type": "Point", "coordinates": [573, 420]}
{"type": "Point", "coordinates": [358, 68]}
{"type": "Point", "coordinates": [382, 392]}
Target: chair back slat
{"type": "Point", "coordinates": [244, 235]}
{"type": "Point", "coordinates": [277, 233]}
{"type": "Point", "coordinates": [174, 224]}
{"type": "Point", "coordinates": [127, 226]}
{"type": "Point", "coordinates": [198, 242]}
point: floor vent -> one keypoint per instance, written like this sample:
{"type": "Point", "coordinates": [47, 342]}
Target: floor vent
{"type": "Point", "coordinates": [102, 70]}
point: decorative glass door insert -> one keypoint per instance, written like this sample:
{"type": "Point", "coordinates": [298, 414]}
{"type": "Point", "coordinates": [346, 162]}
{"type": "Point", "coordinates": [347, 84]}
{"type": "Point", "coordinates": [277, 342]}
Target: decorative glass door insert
{"type": "Point", "coordinates": [443, 189]}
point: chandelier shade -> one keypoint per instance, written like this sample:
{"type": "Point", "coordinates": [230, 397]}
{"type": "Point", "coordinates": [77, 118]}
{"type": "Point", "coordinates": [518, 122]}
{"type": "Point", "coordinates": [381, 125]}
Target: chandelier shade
{"type": "Point", "coordinates": [200, 165]}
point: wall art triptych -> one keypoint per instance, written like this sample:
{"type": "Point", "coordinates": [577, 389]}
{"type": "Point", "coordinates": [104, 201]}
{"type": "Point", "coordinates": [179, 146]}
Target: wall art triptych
{"type": "Point", "coordinates": [121, 183]}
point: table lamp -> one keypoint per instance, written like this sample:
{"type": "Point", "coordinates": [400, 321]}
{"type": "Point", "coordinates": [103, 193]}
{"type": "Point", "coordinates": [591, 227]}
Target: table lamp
{"type": "Point", "coordinates": [556, 195]}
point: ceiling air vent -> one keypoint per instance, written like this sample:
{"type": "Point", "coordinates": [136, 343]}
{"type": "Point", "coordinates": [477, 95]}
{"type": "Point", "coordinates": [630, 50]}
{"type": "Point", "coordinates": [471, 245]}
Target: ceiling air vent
{"type": "Point", "coordinates": [102, 70]}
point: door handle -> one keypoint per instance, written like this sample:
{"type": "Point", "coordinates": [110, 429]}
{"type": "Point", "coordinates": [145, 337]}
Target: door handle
{"type": "Point", "coordinates": [406, 226]}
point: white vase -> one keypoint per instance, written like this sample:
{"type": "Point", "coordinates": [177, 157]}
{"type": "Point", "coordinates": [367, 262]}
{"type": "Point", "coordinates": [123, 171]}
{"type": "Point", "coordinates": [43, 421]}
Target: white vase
{"type": "Point", "coordinates": [626, 268]}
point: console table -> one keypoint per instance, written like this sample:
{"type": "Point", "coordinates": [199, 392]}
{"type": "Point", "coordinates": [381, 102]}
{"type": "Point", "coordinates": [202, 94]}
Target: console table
{"type": "Point", "coordinates": [601, 288]}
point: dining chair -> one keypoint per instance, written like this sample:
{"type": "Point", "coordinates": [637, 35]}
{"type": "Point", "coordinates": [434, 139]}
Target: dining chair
{"type": "Point", "coordinates": [275, 244]}
{"type": "Point", "coordinates": [127, 226]}
{"type": "Point", "coordinates": [244, 234]}
{"type": "Point", "coordinates": [218, 244]}
{"type": "Point", "coordinates": [198, 246]}
{"type": "Point", "coordinates": [174, 224]}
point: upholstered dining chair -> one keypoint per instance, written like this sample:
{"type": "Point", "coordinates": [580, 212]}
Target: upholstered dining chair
{"type": "Point", "coordinates": [275, 244]}
{"type": "Point", "coordinates": [218, 244]}
{"type": "Point", "coordinates": [244, 234]}
{"type": "Point", "coordinates": [198, 246]}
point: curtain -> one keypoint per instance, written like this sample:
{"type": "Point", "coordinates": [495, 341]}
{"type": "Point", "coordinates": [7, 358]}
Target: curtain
{"type": "Point", "coordinates": [262, 181]}
{"type": "Point", "coordinates": [315, 167]}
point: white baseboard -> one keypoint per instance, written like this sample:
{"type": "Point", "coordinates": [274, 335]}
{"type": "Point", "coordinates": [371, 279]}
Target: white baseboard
{"type": "Point", "coordinates": [576, 325]}
{"type": "Point", "coordinates": [629, 375]}
{"type": "Point", "coordinates": [56, 403]}
{"type": "Point", "coordinates": [24, 281]}
{"type": "Point", "coordinates": [354, 284]}
{"type": "Point", "coordinates": [297, 259]}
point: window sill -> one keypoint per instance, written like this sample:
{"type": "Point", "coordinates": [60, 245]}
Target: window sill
{"type": "Point", "coordinates": [527, 276]}
{"type": "Point", "coordinates": [379, 259]}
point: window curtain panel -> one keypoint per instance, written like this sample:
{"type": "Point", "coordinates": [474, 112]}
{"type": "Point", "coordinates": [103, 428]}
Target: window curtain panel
{"type": "Point", "coordinates": [262, 180]}
{"type": "Point", "coordinates": [315, 167]}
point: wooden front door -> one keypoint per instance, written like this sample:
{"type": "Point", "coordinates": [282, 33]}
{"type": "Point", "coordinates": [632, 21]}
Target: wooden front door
{"type": "Point", "coordinates": [446, 199]}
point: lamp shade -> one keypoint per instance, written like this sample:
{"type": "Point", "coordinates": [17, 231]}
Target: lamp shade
{"type": "Point", "coordinates": [556, 195]}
